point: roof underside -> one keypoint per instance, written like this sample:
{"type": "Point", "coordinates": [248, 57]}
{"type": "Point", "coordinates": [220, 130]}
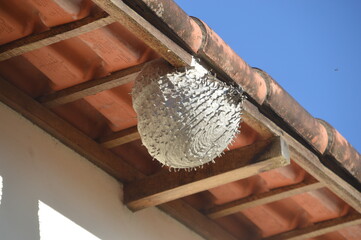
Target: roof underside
{"type": "Point", "coordinates": [70, 66]}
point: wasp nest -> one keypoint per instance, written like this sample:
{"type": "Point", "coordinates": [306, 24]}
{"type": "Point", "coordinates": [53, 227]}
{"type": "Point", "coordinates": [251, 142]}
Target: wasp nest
{"type": "Point", "coordinates": [186, 118]}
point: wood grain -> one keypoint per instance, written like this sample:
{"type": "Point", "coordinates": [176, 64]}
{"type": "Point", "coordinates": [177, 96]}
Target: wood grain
{"type": "Point", "coordinates": [263, 198]}
{"type": "Point", "coordinates": [120, 138]}
{"type": "Point", "coordinates": [319, 228]}
{"type": "Point", "coordinates": [54, 35]}
{"type": "Point", "coordinates": [234, 165]}
{"type": "Point", "coordinates": [66, 133]}
{"type": "Point", "coordinates": [91, 87]}
{"type": "Point", "coordinates": [308, 160]}
{"type": "Point", "coordinates": [155, 39]}
{"type": "Point", "coordinates": [195, 220]}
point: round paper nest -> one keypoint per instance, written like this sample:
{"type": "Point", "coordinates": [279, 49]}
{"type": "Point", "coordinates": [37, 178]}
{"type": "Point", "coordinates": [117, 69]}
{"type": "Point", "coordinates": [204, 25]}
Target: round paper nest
{"type": "Point", "coordinates": [186, 118]}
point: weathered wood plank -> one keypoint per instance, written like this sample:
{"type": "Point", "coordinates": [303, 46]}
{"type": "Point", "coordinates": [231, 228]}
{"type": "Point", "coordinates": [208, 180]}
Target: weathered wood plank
{"type": "Point", "coordinates": [234, 165]}
{"type": "Point", "coordinates": [91, 87]}
{"type": "Point", "coordinates": [263, 198]}
{"type": "Point", "coordinates": [54, 35]}
{"type": "Point", "coordinates": [102, 157]}
{"type": "Point", "coordinates": [320, 228]}
{"type": "Point", "coordinates": [155, 39]}
{"type": "Point", "coordinates": [120, 138]}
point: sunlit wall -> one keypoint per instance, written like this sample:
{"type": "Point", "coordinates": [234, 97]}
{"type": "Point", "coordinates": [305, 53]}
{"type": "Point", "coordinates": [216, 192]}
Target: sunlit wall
{"type": "Point", "coordinates": [51, 192]}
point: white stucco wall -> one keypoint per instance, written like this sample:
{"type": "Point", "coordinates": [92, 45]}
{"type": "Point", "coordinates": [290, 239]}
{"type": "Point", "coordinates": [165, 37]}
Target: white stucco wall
{"type": "Point", "coordinates": [47, 191]}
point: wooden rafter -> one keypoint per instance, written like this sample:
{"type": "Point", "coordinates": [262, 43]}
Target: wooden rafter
{"type": "Point", "coordinates": [66, 133]}
{"type": "Point", "coordinates": [120, 138]}
{"type": "Point", "coordinates": [307, 160]}
{"type": "Point", "coordinates": [103, 158]}
{"type": "Point", "coordinates": [91, 87]}
{"type": "Point", "coordinates": [234, 165]}
{"type": "Point", "coordinates": [54, 35]}
{"type": "Point", "coordinates": [319, 228]}
{"type": "Point", "coordinates": [308, 184]}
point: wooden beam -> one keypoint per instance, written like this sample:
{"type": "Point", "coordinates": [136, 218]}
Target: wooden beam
{"type": "Point", "coordinates": [320, 228]}
{"type": "Point", "coordinates": [308, 184]}
{"type": "Point", "coordinates": [234, 165]}
{"type": "Point", "coordinates": [155, 39]}
{"type": "Point", "coordinates": [189, 217]}
{"type": "Point", "coordinates": [66, 133]}
{"type": "Point", "coordinates": [103, 158]}
{"type": "Point", "coordinates": [91, 87]}
{"type": "Point", "coordinates": [307, 160]}
{"type": "Point", "coordinates": [120, 138]}
{"type": "Point", "coordinates": [54, 35]}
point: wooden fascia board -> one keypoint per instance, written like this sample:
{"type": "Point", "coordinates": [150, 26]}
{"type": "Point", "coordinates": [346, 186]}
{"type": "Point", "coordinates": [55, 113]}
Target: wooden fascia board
{"type": "Point", "coordinates": [141, 28]}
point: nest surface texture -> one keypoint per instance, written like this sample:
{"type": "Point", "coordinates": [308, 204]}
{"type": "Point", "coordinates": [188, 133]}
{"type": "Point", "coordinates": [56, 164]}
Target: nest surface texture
{"type": "Point", "coordinates": [186, 118]}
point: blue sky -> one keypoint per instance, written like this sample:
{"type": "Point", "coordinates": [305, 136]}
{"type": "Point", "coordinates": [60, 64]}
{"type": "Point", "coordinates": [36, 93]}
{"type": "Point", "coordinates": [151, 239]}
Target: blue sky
{"type": "Point", "coordinates": [312, 48]}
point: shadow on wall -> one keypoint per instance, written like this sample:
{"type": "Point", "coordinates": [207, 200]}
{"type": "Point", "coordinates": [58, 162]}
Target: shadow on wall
{"type": "Point", "coordinates": [19, 207]}
{"type": "Point", "coordinates": [50, 192]}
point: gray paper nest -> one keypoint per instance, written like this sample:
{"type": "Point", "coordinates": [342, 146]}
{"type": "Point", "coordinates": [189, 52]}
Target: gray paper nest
{"type": "Point", "coordinates": [186, 118]}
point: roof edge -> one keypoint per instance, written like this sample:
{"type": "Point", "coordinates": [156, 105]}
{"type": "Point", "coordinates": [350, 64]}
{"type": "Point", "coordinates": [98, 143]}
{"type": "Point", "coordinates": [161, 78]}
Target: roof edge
{"type": "Point", "coordinates": [262, 88]}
